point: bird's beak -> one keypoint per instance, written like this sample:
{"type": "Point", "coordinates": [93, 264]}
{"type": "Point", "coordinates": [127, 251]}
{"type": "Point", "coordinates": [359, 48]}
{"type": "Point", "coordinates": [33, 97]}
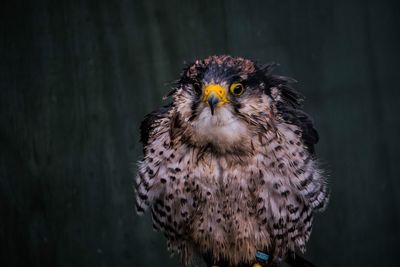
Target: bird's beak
{"type": "Point", "coordinates": [215, 95]}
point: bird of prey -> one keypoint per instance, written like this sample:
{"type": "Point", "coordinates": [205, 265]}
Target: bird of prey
{"type": "Point", "coordinates": [229, 170]}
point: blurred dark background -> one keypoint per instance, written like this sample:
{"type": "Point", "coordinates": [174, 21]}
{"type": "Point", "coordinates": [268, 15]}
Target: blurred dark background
{"type": "Point", "coordinates": [77, 77]}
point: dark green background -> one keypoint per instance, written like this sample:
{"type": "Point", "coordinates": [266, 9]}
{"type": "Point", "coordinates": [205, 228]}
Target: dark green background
{"type": "Point", "coordinates": [77, 77]}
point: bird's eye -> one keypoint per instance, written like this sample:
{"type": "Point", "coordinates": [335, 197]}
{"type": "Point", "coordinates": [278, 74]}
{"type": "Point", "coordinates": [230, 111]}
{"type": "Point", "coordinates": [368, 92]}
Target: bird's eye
{"type": "Point", "coordinates": [197, 87]}
{"type": "Point", "coordinates": [237, 89]}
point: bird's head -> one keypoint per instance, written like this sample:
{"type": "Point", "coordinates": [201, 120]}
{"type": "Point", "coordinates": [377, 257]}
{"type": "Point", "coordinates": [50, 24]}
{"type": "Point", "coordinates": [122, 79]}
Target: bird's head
{"type": "Point", "coordinates": [223, 102]}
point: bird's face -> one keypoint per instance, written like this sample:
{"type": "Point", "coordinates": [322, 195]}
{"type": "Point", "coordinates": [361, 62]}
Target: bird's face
{"type": "Point", "coordinates": [222, 103]}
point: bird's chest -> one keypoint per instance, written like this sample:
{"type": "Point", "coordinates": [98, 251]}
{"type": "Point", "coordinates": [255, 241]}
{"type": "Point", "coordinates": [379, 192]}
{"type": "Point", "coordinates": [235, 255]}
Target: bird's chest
{"type": "Point", "coordinates": [219, 178]}
{"type": "Point", "coordinates": [225, 191]}
{"type": "Point", "coordinates": [226, 205]}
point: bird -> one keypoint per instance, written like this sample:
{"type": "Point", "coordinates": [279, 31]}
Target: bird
{"type": "Point", "coordinates": [229, 170]}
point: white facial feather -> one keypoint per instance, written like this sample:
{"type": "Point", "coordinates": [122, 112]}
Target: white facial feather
{"type": "Point", "coordinates": [223, 129]}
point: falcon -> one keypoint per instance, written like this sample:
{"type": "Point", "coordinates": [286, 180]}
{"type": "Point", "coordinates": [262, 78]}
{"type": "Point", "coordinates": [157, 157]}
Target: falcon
{"type": "Point", "coordinates": [229, 171]}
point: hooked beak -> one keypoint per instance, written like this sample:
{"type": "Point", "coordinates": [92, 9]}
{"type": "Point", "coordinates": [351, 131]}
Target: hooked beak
{"type": "Point", "coordinates": [215, 95]}
{"type": "Point", "coordinates": [212, 102]}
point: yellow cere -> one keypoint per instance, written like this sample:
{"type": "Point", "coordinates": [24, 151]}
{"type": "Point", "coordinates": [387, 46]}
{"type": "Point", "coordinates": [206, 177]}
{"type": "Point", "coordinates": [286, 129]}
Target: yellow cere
{"type": "Point", "coordinates": [218, 90]}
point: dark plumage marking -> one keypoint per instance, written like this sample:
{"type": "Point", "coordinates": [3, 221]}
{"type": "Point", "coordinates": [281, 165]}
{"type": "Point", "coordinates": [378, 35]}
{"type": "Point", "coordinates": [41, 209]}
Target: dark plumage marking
{"type": "Point", "coordinates": [272, 165]}
{"type": "Point", "coordinates": [320, 205]}
{"type": "Point", "coordinates": [307, 181]}
{"type": "Point", "coordinates": [261, 211]}
{"type": "Point", "coordinates": [156, 219]}
{"type": "Point", "coordinates": [144, 184]}
{"type": "Point", "coordinates": [276, 186]}
{"type": "Point", "coordinates": [139, 208]}
{"type": "Point", "coordinates": [292, 209]}
{"type": "Point", "coordinates": [290, 108]}
{"type": "Point", "coordinates": [303, 210]}
{"type": "Point", "coordinates": [279, 236]}
{"type": "Point", "coordinates": [311, 194]}
{"type": "Point", "coordinates": [159, 211]}
{"type": "Point", "coordinates": [155, 227]}
{"type": "Point", "coordinates": [150, 122]}
{"type": "Point", "coordinates": [285, 193]}
{"type": "Point", "coordinates": [160, 203]}
{"type": "Point", "coordinates": [306, 160]}
{"type": "Point", "coordinates": [295, 220]}
{"type": "Point", "coordinates": [142, 196]}
{"type": "Point", "coordinates": [193, 108]}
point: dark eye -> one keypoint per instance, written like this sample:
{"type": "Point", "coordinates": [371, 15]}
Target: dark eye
{"type": "Point", "coordinates": [197, 87]}
{"type": "Point", "coordinates": [236, 89]}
